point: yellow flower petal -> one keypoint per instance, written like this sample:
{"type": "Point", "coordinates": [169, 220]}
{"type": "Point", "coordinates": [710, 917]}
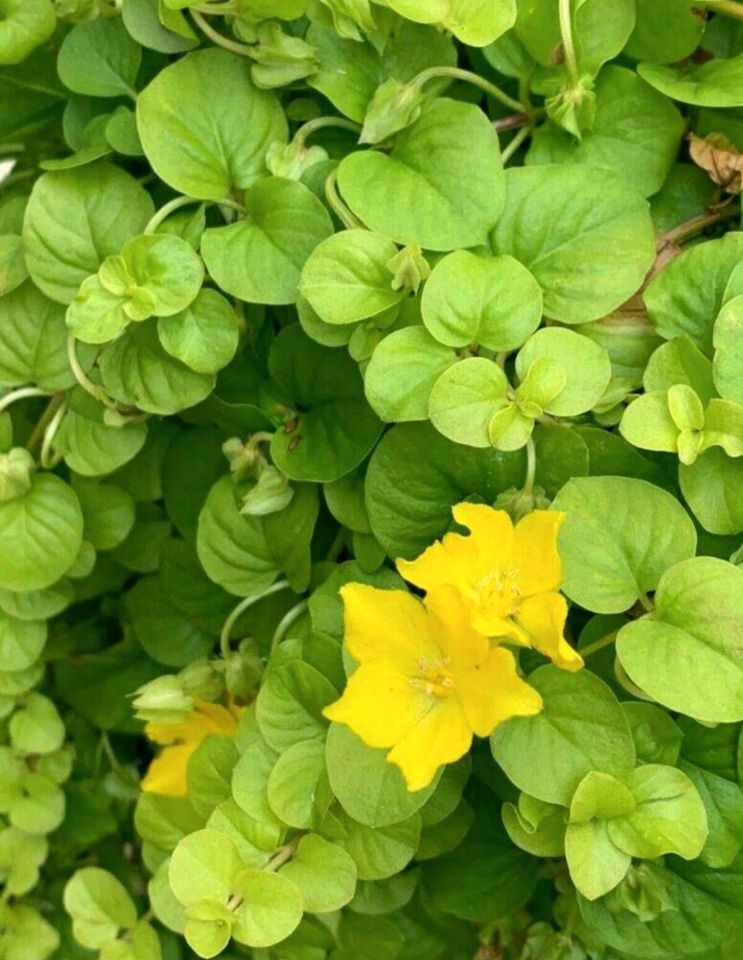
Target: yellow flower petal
{"type": "Point", "coordinates": [441, 736]}
{"type": "Point", "coordinates": [460, 643]}
{"type": "Point", "coordinates": [535, 556]}
{"type": "Point", "coordinates": [167, 772]}
{"type": "Point", "coordinates": [379, 704]}
{"type": "Point", "coordinates": [542, 618]}
{"type": "Point", "coordinates": [462, 561]}
{"type": "Point", "coordinates": [493, 692]}
{"type": "Point", "coordinates": [386, 627]}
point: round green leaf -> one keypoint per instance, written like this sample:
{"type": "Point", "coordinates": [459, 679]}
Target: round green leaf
{"type": "Point", "coordinates": [167, 268]}
{"type": "Point", "coordinates": [428, 190]}
{"type": "Point", "coordinates": [586, 365]}
{"type": "Point", "coordinates": [334, 428]}
{"type": "Point", "coordinates": [99, 906]}
{"type": "Point", "coordinates": [369, 789]}
{"type": "Point", "coordinates": [295, 783]}
{"type": "Point", "coordinates": [205, 128]}
{"type": "Point", "coordinates": [581, 729]}
{"type": "Point", "coordinates": [716, 83]}
{"type": "Point", "coordinates": [403, 368]}
{"type": "Point", "coordinates": [324, 873]}
{"type": "Point", "coordinates": [75, 219]}
{"type": "Point", "coordinates": [138, 372]}
{"type": "Point", "coordinates": [90, 446]}
{"type": "Point", "coordinates": [347, 277]}
{"type": "Point", "coordinates": [713, 488]}
{"type": "Point", "coordinates": [45, 526]}
{"type": "Point", "coordinates": [37, 727]}
{"type": "Point", "coordinates": [33, 340]}
{"type": "Point", "coordinates": [379, 852]}
{"type": "Point", "coordinates": [100, 59]}
{"type": "Point", "coordinates": [619, 537]}
{"type": "Point", "coordinates": [204, 336]}
{"type": "Point", "coordinates": [290, 703]}
{"type": "Point", "coordinates": [415, 476]}
{"type": "Point", "coordinates": [259, 258]}
{"type": "Point", "coordinates": [687, 656]}
{"type": "Point", "coordinates": [493, 302]}
{"type": "Point", "coordinates": [24, 25]}
{"type": "Point", "coordinates": [665, 31]}
{"type": "Point", "coordinates": [728, 363]}
{"type": "Point", "coordinates": [465, 398]}
{"type": "Point", "coordinates": [203, 867]}
{"type": "Point", "coordinates": [585, 235]}
{"type": "Point", "coordinates": [21, 641]}
{"type": "Point", "coordinates": [271, 908]}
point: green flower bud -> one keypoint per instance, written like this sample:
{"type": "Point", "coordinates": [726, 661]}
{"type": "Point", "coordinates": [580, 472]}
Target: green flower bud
{"type": "Point", "coordinates": [245, 459]}
{"type": "Point", "coordinates": [280, 59]}
{"type": "Point", "coordinates": [643, 891]}
{"type": "Point", "coordinates": [242, 671]}
{"type": "Point", "coordinates": [77, 11]}
{"type": "Point", "coordinates": [201, 681]}
{"type": "Point", "coordinates": [163, 700]}
{"type": "Point", "coordinates": [271, 493]}
{"type": "Point", "coordinates": [16, 473]}
{"type": "Point", "coordinates": [291, 160]}
{"type": "Point", "coordinates": [393, 107]}
{"type": "Point", "coordinates": [517, 503]}
{"type": "Point", "coordinates": [409, 269]}
{"type": "Point", "coordinates": [574, 108]}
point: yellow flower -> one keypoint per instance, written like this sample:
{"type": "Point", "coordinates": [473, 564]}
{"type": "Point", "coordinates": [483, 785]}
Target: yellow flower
{"type": "Point", "coordinates": [427, 681]}
{"type": "Point", "coordinates": [508, 577]}
{"type": "Point", "coordinates": [167, 772]}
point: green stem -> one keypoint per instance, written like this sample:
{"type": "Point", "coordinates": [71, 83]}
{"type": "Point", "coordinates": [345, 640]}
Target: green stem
{"type": "Point", "coordinates": [290, 617]}
{"type": "Point", "coordinates": [568, 46]}
{"type": "Point", "coordinates": [338, 207]}
{"type": "Point", "coordinates": [23, 393]}
{"type": "Point", "coordinates": [82, 378]}
{"type": "Point", "coordinates": [691, 228]}
{"type": "Point", "coordinates": [203, 24]}
{"type": "Point", "coordinates": [224, 637]}
{"type": "Point", "coordinates": [45, 458]}
{"type": "Point", "coordinates": [599, 644]}
{"type": "Point", "coordinates": [455, 73]}
{"type": "Point", "coordinates": [531, 467]}
{"type": "Point", "coordinates": [515, 143]}
{"type": "Point", "coordinates": [728, 8]}
{"type": "Point", "coordinates": [38, 432]}
{"type": "Point", "coordinates": [320, 123]}
{"type": "Point", "coordinates": [164, 212]}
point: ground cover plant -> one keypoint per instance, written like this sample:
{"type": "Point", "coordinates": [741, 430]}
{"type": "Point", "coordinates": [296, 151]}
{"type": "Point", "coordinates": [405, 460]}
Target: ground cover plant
{"type": "Point", "coordinates": [371, 479]}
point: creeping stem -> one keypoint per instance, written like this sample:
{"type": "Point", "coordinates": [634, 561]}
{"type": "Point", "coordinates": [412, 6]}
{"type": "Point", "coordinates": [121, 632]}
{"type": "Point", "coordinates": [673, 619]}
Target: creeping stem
{"type": "Point", "coordinates": [728, 8]}
{"type": "Point", "coordinates": [203, 24]}
{"type": "Point", "coordinates": [21, 394]}
{"type": "Point", "coordinates": [515, 143]}
{"type": "Point", "coordinates": [290, 617]}
{"type": "Point", "coordinates": [338, 207]}
{"type": "Point", "coordinates": [457, 74]}
{"type": "Point", "coordinates": [177, 202]}
{"type": "Point", "coordinates": [82, 378]}
{"type": "Point", "coordinates": [599, 644]}
{"type": "Point", "coordinates": [568, 46]}
{"type": "Point", "coordinates": [531, 466]}
{"type": "Point", "coordinates": [224, 637]}
{"type": "Point", "coordinates": [46, 458]}
{"type": "Point", "coordinates": [320, 123]}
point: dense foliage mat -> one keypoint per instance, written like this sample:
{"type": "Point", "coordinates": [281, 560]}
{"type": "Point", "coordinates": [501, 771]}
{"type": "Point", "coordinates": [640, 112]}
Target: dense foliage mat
{"type": "Point", "coordinates": [371, 479]}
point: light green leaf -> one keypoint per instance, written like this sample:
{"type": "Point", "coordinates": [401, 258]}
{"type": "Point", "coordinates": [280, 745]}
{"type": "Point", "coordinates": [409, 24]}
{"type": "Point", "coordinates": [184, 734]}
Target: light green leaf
{"type": "Point", "coordinates": [669, 817]}
{"type": "Point", "coordinates": [324, 873]}
{"type": "Point", "coordinates": [713, 488]}
{"type": "Point", "coordinates": [271, 908]}
{"type": "Point", "coordinates": [259, 258]}
{"type": "Point", "coordinates": [596, 865]}
{"type": "Point", "coordinates": [679, 361]}
{"type": "Point", "coordinates": [585, 364]}
{"type": "Point", "coordinates": [401, 373]}
{"type": "Point", "coordinates": [45, 526]}
{"type": "Point", "coordinates": [378, 853]}
{"type": "Point", "coordinates": [21, 641]}
{"type": "Point", "coordinates": [100, 59]}
{"type": "Point", "coordinates": [465, 398]}
{"type": "Point", "coordinates": [723, 802]}
{"type": "Point", "coordinates": [203, 867]}
{"type": "Point", "coordinates": [716, 83]}
{"type": "Point", "coordinates": [90, 446]}
{"type": "Point", "coordinates": [75, 219]}
{"type": "Point", "coordinates": [205, 128]}
{"type": "Point", "coordinates": [290, 704]}
{"type": "Point", "coordinates": [647, 423]}
{"type": "Point", "coordinates": [619, 537]}
{"type": "Point", "coordinates": [37, 727]}
{"type": "Point", "coordinates": [369, 789]}
{"type": "Point", "coordinates": [297, 784]}
{"type": "Point", "coordinates": [99, 906]}
{"type": "Point", "coordinates": [657, 737]}
{"type": "Point", "coordinates": [347, 277]}
{"type": "Point", "coordinates": [581, 729]}
{"type": "Point", "coordinates": [25, 25]}
{"type": "Point", "coordinates": [204, 336]}
{"type": "Point", "coordinates": [666, 31]}
{"type": "Point", "coordinates": [726, 339]}
{"type": "Point", "coordinates": [585, 235]}
{"type": "Point", "coordinates": [493, 302]}
{"type": "Point", "coordinates": [687, 656]}
{"type": "Point", "coordinates": [427, 191]}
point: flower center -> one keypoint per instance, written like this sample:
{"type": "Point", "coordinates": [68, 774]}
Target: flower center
{"type": "Point", "coordinates": [434, 678]}
{"type": "Point", "coordinates": [499, 591]}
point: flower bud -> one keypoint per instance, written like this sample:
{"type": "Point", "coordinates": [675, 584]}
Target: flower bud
{"type": "Point", "coordinates": [271, 493]}
{"type": "Point", "coordinates": [409, 269]}
{"type": "Point", "coordinates": [291, 160]}
{"type": "Point", "coordinates": [280, 59]}
{"type": "Point", "coordinates": [393, 107]}
{"type": "Point", "coordinates": [242, 671]}
{"type": "Point", "coordinates": [16, 473]}
{"type": "Point", "coordinates": [163, 700]}
{"type": "Point", "coordinates": [201, 681]}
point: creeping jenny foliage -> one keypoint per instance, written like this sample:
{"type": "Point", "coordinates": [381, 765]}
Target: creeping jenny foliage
{"type": "Point", "coordinates": [309, 308]}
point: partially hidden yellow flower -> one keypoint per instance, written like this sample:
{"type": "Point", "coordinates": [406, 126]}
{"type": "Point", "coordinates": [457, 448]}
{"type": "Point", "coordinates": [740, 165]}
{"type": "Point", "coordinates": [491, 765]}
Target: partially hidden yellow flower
{"type": "Point", "coordinates": [167, 772]}
{"type": "Point", "coordinates": [426, 682]}
{"type": "Point", "coordinates": [508, 577]}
